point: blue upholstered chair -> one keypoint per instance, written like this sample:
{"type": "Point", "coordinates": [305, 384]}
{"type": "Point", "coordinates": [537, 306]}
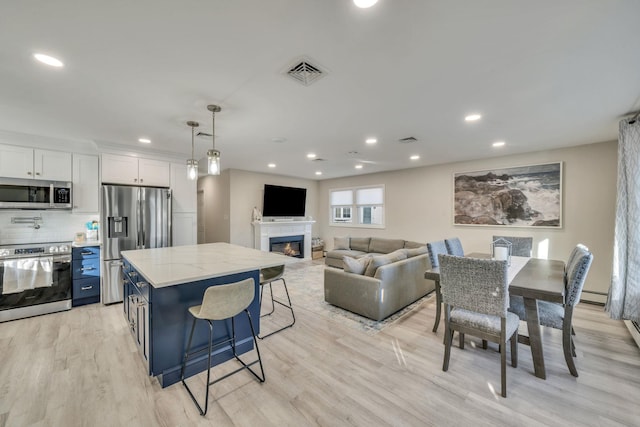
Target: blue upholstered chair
{"type": "Point", "coordinates": [475, 295]}
{"type": "Point", "coordinates": [435, 249]}
{"type": "Point", "coordinates": [454, 247]}
{"type": "Point", "coordinates": [559, 316]}
{"type": "Point", "coordinates": [520, 246]}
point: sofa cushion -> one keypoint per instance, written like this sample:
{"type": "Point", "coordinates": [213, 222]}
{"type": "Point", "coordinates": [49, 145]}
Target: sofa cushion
{"type": "Point", "coordinates": [355, 266]}
{"type": "Point", "coordinates": [380, 260]}
{"type": "Point", "coordinates": [416, 251]}
{"type": "Point", "coordinates": [408, 244]}
{"type": "Point", "coordinates": [360, 243]}
{"type": "Point", "coordinates": [341, 243]}
{"type": "Point", "coordinates": [385, 246]}
{"type": "Point", "coordinates": [339, 253]}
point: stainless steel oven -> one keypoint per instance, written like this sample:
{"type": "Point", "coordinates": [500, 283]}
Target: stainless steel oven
{"type": "Point", "coordinates": [34, 279]}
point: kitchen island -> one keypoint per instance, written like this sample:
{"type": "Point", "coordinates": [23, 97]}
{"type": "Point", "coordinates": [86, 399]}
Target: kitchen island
{"type": "Point", "coordinates": [161, 284]}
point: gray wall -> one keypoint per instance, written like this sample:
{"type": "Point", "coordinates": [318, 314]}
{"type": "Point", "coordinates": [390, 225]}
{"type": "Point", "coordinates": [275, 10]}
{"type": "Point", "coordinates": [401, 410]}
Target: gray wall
{"type": "Point", "coordinates": [419, 205]}
{"type": "Point", "coordinates": [231, 197]}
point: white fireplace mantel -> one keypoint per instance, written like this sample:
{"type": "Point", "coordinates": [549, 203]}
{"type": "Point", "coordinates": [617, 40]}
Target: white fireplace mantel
{"type": "Point", "coordinates": [263, 230]}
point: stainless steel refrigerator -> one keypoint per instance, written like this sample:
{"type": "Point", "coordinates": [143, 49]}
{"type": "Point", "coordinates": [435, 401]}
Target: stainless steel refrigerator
{"type": "Point", "coordinates": [130, 218]}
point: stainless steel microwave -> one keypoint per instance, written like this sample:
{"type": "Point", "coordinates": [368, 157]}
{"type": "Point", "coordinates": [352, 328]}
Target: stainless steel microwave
{"type": "Point", "coordinates": [34, 194]}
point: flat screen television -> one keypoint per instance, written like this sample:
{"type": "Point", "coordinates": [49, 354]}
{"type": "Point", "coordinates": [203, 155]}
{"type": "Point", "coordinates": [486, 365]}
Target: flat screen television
{"type": "Point", "coordinates": [283, 201]}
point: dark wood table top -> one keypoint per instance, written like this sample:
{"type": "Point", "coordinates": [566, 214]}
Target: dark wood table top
{"type": "Point", "coordinates": [541, 279]}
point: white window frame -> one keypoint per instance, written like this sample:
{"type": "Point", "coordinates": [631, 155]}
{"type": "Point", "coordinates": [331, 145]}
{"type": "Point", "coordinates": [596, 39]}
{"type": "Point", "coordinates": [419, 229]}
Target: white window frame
{"type": "Point", "coordinates": [355, 208]}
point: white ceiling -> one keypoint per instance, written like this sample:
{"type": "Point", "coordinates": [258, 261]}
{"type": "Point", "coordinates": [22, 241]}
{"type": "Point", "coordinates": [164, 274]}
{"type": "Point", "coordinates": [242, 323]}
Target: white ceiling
{"type": "Point", "coordinates": [543, 74]}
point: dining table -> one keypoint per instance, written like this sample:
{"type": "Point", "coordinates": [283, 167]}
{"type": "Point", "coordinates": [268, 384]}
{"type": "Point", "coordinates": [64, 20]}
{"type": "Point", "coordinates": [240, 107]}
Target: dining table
{"type": "Point", "coordinates": [534, 279]}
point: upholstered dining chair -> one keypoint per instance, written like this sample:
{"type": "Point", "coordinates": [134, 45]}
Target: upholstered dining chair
{"type": "Point", "coordinates": [454, 246]}
{"type": "Point", "coordinates": [559, 316]}
{"type": "Point", "coordinates": [520, 246]}
{"type": "Point", "coordinates": [435, 249]}
{"type": "Point", "coordinates": [475, 296]}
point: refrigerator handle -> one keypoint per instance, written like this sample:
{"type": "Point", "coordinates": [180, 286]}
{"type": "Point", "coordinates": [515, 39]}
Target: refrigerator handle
{"type": "Point", "coordinates": [139, 243]}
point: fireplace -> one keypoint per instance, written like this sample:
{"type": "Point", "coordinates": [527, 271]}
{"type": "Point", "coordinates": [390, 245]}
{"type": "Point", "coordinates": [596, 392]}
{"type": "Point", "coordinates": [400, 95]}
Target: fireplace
{"type": "Point", "coordinates": [292, 246]}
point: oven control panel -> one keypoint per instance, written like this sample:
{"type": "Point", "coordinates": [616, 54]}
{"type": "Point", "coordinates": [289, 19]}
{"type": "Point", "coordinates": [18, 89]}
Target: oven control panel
{"type": "Point", "coordinates": [23, 251]}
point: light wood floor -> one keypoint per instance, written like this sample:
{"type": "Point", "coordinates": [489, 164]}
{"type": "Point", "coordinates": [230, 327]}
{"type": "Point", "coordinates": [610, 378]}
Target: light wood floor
{"type": "Point", "coordinates": [80, 368]}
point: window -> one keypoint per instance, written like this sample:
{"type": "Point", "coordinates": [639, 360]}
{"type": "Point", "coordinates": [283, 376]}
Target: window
{"type": "Point", "coordinates": [366, 202]}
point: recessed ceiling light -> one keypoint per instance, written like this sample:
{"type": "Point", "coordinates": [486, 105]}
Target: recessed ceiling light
{"type": "Point", "coordinates": [472, 117]}
{"type": "Point", "coordinates": [358, 166]}
{"type": "Point", "coordinates": [415, 157]}
{"type": "Point", "coordinates": [272, 165]}
{"type": "Point", "coordinates": [364, 3]}
{"type": "Point", "coordinates": [278, 139]}
{"type": "Point", "coordinates": [371, 140]}
{"type": "Point", "coordinates": [144, 140]}
{"type": "Point", "coordinates": [498, 144]}
{"type": "Point", "coordinates": [318, 173]}
{"type": "Point", "coordinates": [49, 60]}
{"type": "Point", "coordinates": [311, 156]}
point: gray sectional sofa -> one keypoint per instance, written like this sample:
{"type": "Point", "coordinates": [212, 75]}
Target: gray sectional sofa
{"type": "Point", "coordinates": [380, 276]}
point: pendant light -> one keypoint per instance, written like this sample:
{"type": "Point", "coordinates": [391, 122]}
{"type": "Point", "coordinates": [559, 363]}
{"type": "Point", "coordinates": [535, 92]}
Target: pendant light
{"type": "Point", "coordinates": [192, 163]}
{"type": "Point", "coordinates": [213, 155]}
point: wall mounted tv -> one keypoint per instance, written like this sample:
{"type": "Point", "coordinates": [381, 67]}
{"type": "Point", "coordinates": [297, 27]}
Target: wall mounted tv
{"type": "Point", "coordinates": [283, 201]}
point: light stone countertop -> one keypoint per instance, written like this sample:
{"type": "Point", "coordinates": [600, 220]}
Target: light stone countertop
{"type": "Point", "coordinates": [164, 267]}
{"type": "Point", "coordinates": [86, 243]}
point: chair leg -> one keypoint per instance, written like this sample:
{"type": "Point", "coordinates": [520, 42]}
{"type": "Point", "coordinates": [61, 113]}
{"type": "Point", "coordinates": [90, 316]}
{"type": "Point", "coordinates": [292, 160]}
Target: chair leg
{"type": "Point", "coordinates": [461, 340]}
{"type": "Point", "coordinates": [484, 344]}
{"type": "Point", "coordinates": [273, 307]}
{"type": "Point", "coordinates": [573, 348]}
{"type": "Point", "coordinates": [206, 399]}
{"type": "Point", "coordinates": [567, 341]}
{"type": "Point", "coordinates": [448, 338]}
{"type": "Point", "coordinates": [514, 349]}
{"type": "Point", "coordinates": [503, 367]}
{"type": "Point", "coordinates": [438, 307]}
{"type": "Point", "coordinates": [288, 306]}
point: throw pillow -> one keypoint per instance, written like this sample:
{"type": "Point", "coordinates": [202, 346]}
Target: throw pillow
{"type": "Point", "coordinates": [416, 251]}
{"type": "Point", "coordinates": [341, 243]}
{"type": "Point", "coordinates": [380, 260]}
{"type": "Point", "coordinates": [355, 266]}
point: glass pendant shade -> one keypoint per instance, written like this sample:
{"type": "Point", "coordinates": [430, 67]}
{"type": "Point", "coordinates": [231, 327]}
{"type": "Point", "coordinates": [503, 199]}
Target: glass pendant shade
{"type": "Point", "coordinates": [213, 155]}
{"type": "Point", "coordinates": [192, 163]}
{"type": "Point", "coordinates": [192, 169]}
{"type": "Point", "coordinates": [213, 162]}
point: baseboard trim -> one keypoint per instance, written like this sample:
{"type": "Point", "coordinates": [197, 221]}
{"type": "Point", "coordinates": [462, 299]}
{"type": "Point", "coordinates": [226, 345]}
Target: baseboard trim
{"type": "Point", "coordinates": [634, 328]}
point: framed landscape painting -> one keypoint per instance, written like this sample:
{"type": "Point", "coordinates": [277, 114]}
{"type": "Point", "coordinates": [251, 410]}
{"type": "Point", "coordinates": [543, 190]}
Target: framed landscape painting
{"type": "Point", "coordinates": [523, 196]}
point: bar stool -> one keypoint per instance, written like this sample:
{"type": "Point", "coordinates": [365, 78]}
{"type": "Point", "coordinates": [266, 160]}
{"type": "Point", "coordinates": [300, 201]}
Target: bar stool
{"type": "Point", "coordinates": [219, 303]}
{"type": "Point", "coordinates": [267, 277]}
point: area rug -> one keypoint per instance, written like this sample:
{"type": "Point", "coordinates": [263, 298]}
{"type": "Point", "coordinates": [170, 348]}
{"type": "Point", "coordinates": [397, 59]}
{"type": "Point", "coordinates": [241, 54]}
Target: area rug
{"type": "Point", "coordinates": [305, 282]}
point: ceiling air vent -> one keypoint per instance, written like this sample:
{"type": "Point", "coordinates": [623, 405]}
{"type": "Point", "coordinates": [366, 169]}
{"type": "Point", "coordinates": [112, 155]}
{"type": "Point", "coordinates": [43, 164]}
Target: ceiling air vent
{"type": "Point", "coordinates": [304, 72]}
{"type": "Point", "coordinates": [319, 160]}
{"type": "Point", "coordinates": [407, 140]}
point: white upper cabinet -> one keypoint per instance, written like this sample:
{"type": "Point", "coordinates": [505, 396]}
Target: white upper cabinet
{"type": "Point", "coordinates": [118, 169]}
{"type": "Point", "coordinates": [86, 183]}
{"type": "Point", "coordinates": [21, 162]}
{"type": "Point", "coordinates": [154, 173]}
{"type": "Point", "coordinates": [183, 189]}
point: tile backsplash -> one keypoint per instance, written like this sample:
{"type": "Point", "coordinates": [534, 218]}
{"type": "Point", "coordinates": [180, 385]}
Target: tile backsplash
{"type": "Point", "coordinates": [56, 226]}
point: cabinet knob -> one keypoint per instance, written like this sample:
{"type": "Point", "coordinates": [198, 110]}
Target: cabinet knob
{"type": "Point", "coordinates": [135, 179]}
{"type": "Point", "coordinates": [28, 173]}
{"type": "Point", "coordinates": [38, 173]}
{"type": "Point", "coordinates": [141, 180]}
